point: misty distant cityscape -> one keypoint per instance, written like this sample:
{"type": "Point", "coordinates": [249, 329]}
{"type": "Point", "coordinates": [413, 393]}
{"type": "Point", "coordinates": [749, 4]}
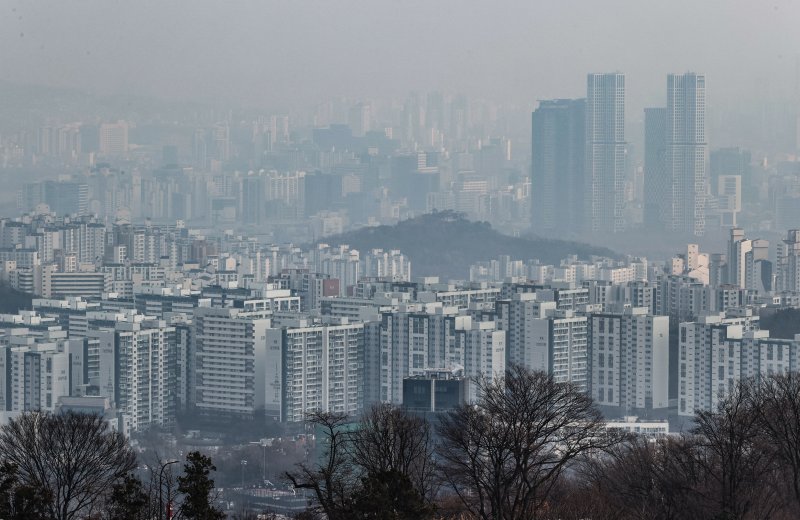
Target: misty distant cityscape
{"type": "Point", "coordinates": [366, 238]}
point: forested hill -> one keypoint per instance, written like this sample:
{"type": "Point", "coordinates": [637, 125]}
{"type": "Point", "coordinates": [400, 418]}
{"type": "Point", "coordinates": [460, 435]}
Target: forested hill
{"type": "Point", "coordinates": [12, 301]}
{"type": "Point", "coordinates": [445, 244]}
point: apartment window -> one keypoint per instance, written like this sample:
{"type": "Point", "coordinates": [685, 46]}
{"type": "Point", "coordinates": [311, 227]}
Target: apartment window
{"type": "Point", "coordinates": [600, 394]}
{"type": "Point", "coordinates": [610, 361]}
{"type": "Point", "coordinates": [601, 360]}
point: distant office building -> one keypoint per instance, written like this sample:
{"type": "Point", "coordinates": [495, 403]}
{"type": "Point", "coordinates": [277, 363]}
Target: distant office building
{"type": "Point", "coordinates": [731, 161]}
{"type": "Point", "coordinates": [788, 262]}
{"type": "Point", "coordinates": [63, 197]}
{"type": "Point", "coordinates": [63, 285]}
{"type": "Point", "coordinates": [359, 119]}
{"type": "Point", "coordinates": [729, 199]}
{"type": "Point", "coordinates": [114, 138]}
{"type": "Point", "coordinates": [749, 266]}
{"type": "Point", "coordinates": [66, 198]}
{"type": "Point", "coordinates": [605, 152]}
{"type": "Point", "coordinates": [558, 173]}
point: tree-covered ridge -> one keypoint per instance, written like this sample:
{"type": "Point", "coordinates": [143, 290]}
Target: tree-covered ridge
{"type": "Point", "coordinates": [783, 324]}
{"type": "Point", "coordinates": [445, 244]}
{"type": "Point", "coordinates": [12, 300]}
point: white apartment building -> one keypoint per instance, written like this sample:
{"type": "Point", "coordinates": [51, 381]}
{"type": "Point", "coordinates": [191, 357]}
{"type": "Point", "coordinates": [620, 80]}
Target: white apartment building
{"type": "Point", "coordinates": [322, 369]}
{"type": "Point", "coordinates": [416, 339]}
{"type": "Point", "coordinates": [134, 361]}
{"type": "Point", "coordinates": [629, 356]}
{"type": "Point", "coordinates": [788, 262]}
{"type": "Point", "coordinates": [542, 337]}
{"type": "Point", "coordinates": [236, 371]}
{"type": "Point", "coordinates": [392, 265]}
{"type": "Point", "coordinates": [36, 372]}
{"type": "Point", "coordinates": [717, 351]}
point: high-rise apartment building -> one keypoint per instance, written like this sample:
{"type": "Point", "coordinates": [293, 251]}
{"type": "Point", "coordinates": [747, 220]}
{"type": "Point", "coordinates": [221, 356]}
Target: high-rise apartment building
{"type": "Point", "coordinates": [323, 369]}
{"type": "Point", "coordinates": [236, 370]}
{"type": "Point", "coordinates": [414, 340]}
{"type": "Point", "coordinates": [788, 262]}
{"type": "Point", "coordinates": [687, 152]}
{"type": "Point", "coordinates": [656, 183]}
{"type": "Point", "coordinates": [749, 266]}
{"type": "Point", "coordinates": [558, 174]}
{"type": "Point", "coordinates": [676, 153]}
{"type": "Point", "coordinates": [715, 353]}
{"type": "Point", "coordinates": [539, 336]}
{"type": "Point", "coordinates": [629, 355]}
{"type": "Point", "coordinates": [133, 359]}
{"type": "Point", "coordinates": [605, 153]}
{"type": "Point", "coordinates": [36, 372]}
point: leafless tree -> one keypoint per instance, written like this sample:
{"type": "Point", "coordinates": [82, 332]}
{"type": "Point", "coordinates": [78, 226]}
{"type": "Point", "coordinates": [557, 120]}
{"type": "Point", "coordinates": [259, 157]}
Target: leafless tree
{"type": "Point", "coordinates": [777, 405]}
{"type": "Point", "coordinates": [75, 457]}
{"type": "Point", "coordinates": [642, 478]}
{"type": "Point", "coordinates": [738, 465]}
{"type": "Point", "coordinates": [503, 456]}
{"type": "Point", "coordinates": [333, 478]}
{"type": "Point", "coordinates": [389, 439]}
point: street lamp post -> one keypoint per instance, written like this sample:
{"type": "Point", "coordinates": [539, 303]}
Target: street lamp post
{"type": "Point", "coordinates": [264, 445]}
{"type": "Point", "coordinates": [161, 487]}
{"type": "Point", "coordinates": [243, 463]}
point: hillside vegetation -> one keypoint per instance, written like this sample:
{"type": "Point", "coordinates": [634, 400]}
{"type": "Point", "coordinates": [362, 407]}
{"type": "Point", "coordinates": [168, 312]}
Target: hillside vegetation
{"type": "Point", "coordinates": [12, 300]}
{"type": "Point", "coordinates": [783, 324]}
{"type": "Point", "coordinates": [445, 244]}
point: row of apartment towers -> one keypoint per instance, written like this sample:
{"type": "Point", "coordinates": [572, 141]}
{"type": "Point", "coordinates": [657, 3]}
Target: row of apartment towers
{"type": "Point", "coordinates": [579, 159]}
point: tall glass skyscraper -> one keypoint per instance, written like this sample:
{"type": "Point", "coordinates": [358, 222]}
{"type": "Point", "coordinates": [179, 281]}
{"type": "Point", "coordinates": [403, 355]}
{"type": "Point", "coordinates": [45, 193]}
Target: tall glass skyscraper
{"type": "Point", "coordinates": [558, 129]}
{"type": "Point", "coordinates": [657, 187]}
{"type": "Point", "coordinates": [605, 153]}
{"type": "Point", "coordinates": [686, 152]}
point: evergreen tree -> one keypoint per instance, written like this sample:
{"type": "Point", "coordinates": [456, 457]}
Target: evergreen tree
{"type": "Point", "coordinates": [196, 486]}
{"type": "Point", "coordinates": [390, 495]}
{"type": "Point", "coordinates": [128, 500]}
{"type": "Point", "coordinates": [19, 501]}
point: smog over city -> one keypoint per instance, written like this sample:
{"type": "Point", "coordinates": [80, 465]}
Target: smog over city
{"type": "Point", "coordinates": [399, 260]}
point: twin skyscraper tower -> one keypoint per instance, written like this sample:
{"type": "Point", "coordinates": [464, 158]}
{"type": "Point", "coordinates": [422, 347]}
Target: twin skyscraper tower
{"type": "Point", "coordinates": [579, 182]}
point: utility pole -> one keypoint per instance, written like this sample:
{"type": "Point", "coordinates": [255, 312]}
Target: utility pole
{"type": "Point", "coordinates": [161, 488]}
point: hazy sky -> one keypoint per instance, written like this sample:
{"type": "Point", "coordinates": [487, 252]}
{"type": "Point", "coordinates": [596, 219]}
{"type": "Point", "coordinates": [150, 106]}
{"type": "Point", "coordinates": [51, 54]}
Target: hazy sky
{"type": "Point", "coordinates": [275, 52]}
